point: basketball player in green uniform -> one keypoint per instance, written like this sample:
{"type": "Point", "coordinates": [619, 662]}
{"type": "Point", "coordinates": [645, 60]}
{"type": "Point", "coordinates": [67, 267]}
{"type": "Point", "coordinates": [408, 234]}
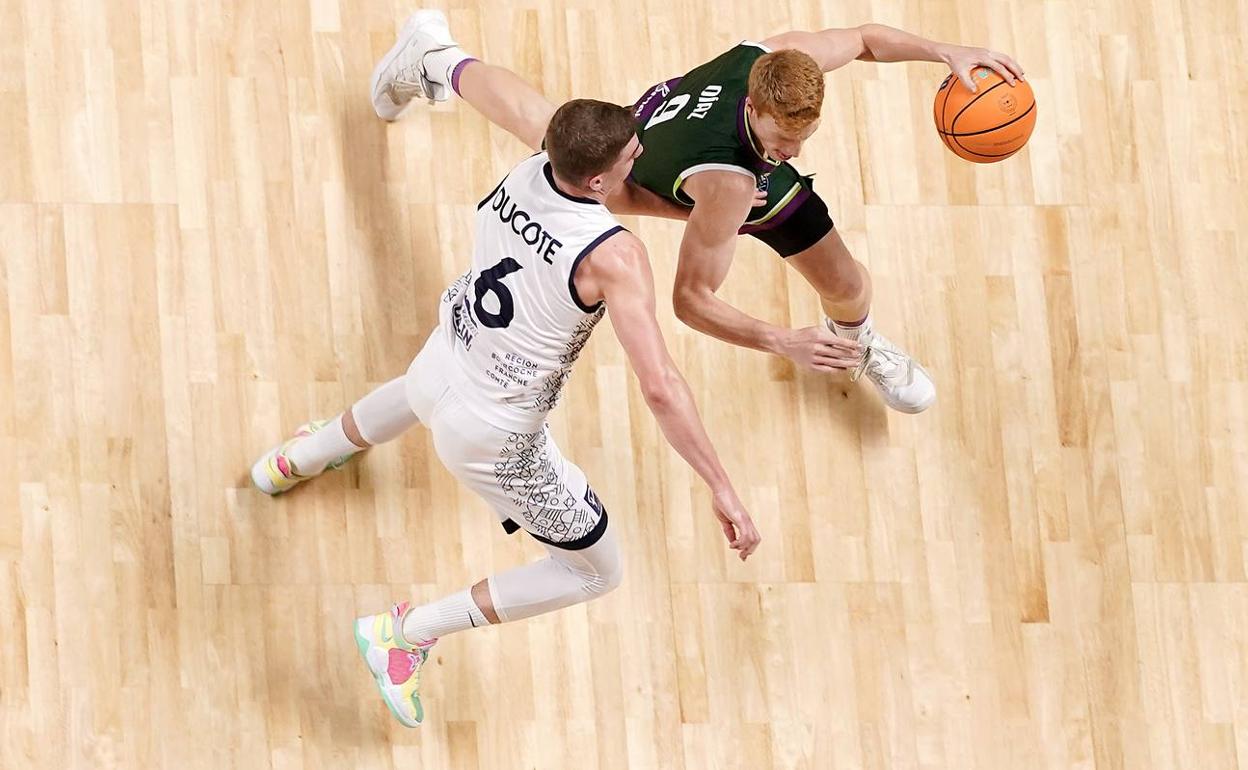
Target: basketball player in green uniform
{"type": "Point", "coordinates": [716, 148]}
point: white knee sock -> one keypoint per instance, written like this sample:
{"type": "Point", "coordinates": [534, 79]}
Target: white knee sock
{"type": "Point", "coordinates": [445, 616]}
{"type": "Point", "coordinates": [311, 454]}
{"type": "Point", "coordinates": [380, 416]}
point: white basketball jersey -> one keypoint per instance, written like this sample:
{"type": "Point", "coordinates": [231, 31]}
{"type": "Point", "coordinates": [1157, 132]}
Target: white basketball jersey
{"type": "Point", "coordinates": [514, 321]}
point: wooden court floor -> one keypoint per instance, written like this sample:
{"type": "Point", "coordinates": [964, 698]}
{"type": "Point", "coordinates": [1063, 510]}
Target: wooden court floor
{"type": "Point", "coordinates": [207, 237]}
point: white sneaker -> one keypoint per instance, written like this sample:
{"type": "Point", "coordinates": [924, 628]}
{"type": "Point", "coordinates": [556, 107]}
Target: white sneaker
{"type": "Point", "coordinates": [904, 385]}
{"type": "Point", "coordinates": [400, 76]}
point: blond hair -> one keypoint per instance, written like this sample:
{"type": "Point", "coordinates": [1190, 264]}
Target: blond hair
{"type": "Point", "coordinates": [788, 85]}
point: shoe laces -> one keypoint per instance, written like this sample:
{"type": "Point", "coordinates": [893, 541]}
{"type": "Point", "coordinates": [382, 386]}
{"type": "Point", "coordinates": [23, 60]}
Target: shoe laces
{"type": "Point", "coordinates": [883, 362]}
{"type": "Point", "coordinates": [406, 83]}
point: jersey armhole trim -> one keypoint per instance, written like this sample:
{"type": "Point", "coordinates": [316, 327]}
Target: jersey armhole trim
{"type": "Point", "coordinates": [577, 263]}
{"type": "Point", "coordinates": [793, 191]}
{"type": "Point", "coordinates": [756, 45]}
{"type": "Point", "coordinates": [493, 192]}
{"type": "Point", "coordinates": [682, 176]}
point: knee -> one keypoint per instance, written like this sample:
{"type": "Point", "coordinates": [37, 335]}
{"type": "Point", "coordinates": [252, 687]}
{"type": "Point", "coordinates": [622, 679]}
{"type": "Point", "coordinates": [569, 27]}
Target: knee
{"type": "Point", "coordinates": [612, 579]}
{"type": "Point", "coordinates": [607, 577]}
{"type": "Point", "coordinates": [845, 280]}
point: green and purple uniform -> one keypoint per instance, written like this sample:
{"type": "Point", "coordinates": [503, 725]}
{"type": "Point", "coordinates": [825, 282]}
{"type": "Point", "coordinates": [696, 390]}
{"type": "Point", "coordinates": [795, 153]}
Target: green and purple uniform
{"type": "Point", "coordinates": [698, 122]}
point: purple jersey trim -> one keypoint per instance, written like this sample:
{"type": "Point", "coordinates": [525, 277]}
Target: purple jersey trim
{"type": "Point", "coordinates": [455, 74]}
{"type": "Point", "coordinates": [743, 133]}
{"type": "Point", "coordinates": [654, 96]}
{"type": "Point", "coordinates": [780, 216]}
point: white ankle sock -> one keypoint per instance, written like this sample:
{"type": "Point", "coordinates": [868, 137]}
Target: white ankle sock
{"type": "Point", "coordinates": [311, 454]}
{"type": "Point", "coordinates": [855, 332]}
{"type": "Point", "coordinates": [445, 616]}
{"type": "Point", "coordinates": [440, 65]}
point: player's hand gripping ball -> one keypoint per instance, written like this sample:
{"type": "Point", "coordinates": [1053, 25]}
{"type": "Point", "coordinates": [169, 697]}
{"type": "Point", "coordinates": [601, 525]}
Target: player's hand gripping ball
{"type": "Point", "coordinates": [988, 125]}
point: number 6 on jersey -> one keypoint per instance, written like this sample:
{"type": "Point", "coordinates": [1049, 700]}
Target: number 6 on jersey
{"type": "Point", "coordinates": [491, 281]}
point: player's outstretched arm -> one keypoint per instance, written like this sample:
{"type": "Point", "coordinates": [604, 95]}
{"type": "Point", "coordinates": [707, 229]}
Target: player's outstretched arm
{"type": "Point", "coordinates": [619, 272]}
{"type": "Point", "coordinates": [722, 202]}
{"type": "Point", "coordinates": [834, 48]}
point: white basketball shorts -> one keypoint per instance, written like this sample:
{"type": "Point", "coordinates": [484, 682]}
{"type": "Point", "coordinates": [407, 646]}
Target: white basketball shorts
{"type": "Point", "coordinates": [520, 472]}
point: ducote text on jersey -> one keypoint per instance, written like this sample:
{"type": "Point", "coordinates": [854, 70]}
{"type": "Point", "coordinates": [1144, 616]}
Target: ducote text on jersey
{"type": "Point", "coordinates": [531, 232]}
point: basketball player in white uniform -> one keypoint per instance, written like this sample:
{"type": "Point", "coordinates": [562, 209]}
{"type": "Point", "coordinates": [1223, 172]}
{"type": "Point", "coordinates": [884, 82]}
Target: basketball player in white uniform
{"type": "Point", "coordinates": [548, 261]}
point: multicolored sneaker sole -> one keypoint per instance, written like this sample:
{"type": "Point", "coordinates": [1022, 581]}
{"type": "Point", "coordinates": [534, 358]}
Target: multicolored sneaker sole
{"type": "Point", "coordinates": [395, 665]}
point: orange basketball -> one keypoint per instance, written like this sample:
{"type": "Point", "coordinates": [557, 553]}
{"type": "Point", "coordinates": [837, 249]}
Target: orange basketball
{"type": "Point", "coordinates": [986, 126]}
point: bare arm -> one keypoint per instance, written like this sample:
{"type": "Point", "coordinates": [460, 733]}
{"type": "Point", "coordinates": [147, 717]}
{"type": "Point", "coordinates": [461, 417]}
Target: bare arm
{"type": "Point", "coordinates": [834, 48]}
{"type": "Point", "coordinates": [632, 198]}
{"type": "Point", "coordinates": [722, 203]}
{"type": "Point", "coordinates": [619, 272]}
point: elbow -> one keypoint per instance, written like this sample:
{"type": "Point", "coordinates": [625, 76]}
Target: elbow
{"type": "Point", "coordinates": [658, 398]}
{"type": "Point", "coordinates": [686, 303]}
{"type": "Point", "coordinates": [868, 30]}
{"type": "Point", "coordinates": [661, 391]}
{"type": "Point", "coordinates": [867, 38]}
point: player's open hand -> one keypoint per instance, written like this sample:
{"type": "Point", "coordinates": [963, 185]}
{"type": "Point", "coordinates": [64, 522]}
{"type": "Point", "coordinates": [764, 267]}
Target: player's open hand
{"type": "Point", "coordinates": [963, 59]}
{"type": "Point", "coordinates": [819, 350]}
{"type": "Point", "coordinates": [738, 527]}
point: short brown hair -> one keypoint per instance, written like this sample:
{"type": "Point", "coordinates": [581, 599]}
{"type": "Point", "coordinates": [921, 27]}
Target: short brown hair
{"type": "Point", "coordinates": [586, 136]}
{"type": "Point", "coordinates": [788, 85]}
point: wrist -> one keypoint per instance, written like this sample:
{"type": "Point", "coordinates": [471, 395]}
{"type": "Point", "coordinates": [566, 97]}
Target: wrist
{"type": "Point", "coordinates": [721, 487]}
{"type": "Point", "coordinates": [946, 52]}
{"type": "Point", "coordinates": [773, 338]}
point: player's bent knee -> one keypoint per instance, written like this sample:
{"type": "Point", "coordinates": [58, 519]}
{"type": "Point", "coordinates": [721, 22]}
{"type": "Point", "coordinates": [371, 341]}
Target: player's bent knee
{"type": "Point", "coordinates": [846, 282]}
{"type": "Point", "coordinates": [611, 580]}
{"type": "Point", "coordinates": [607, 571]}
{"type": "Point", "coordinates": [831, 270]}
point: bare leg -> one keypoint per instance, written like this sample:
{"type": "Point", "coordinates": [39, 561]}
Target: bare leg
{"type": "Point", "coordinates": [843, 283]}
{"type": "Point", "coordinates": [481, 595]}
{"type": "Point", "coordinates": [844, 287]}
{"type": "Point", "coordinates": [563, 579]}
{"type": "Point", "coordinates": [352, 430]}
{"type": "Point", "coordinates": [427, 62]}
{"type": "Point", "coordinates": [378, 417]}
{"type": "Point", "coordinates": [509, 102]}
{"type": "Point", "coordinates": [506, 100]}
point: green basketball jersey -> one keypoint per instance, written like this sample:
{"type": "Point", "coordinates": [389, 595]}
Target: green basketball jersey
{"type": "Point", "coordinates": [698, 122]}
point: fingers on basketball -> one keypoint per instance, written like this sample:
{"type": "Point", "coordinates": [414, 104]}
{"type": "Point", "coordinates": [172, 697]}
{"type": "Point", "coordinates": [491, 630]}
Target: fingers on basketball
{"type": "Point", "coordinates": [987, 125]}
